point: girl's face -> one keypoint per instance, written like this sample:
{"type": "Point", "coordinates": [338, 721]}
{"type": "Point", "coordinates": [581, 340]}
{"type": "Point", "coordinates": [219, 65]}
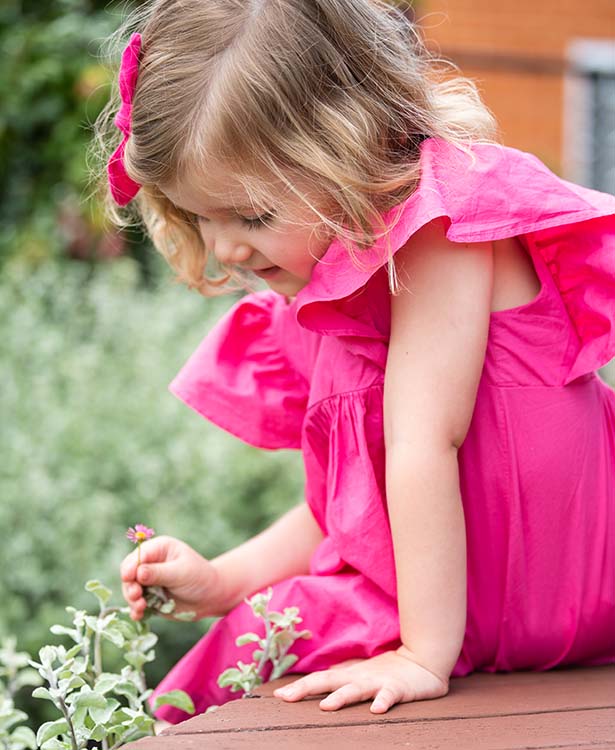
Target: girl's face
{"type": "Point", "coordinates": [279, 244]}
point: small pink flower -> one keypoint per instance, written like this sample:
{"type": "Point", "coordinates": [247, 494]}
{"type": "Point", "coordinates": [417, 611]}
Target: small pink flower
{"type": "Point", "coordinates": [139, 533]}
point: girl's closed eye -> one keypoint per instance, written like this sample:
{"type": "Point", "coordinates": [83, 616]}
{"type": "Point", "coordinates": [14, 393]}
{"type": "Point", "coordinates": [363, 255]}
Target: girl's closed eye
{"type": "Point", "coordinates": [258, 221]}
{"type": "Point", "coordinates": [255, 222]}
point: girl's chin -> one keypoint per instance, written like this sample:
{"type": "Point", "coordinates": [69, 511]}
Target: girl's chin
{"type": "Point", "coordinates": [285, 283]}
{"type": "Point", "coordinates": [268, 273]}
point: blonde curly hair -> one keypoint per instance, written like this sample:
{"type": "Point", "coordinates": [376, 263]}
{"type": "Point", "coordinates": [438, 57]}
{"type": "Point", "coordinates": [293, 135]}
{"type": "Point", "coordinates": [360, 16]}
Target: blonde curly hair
{"type": "Point", "coordinates": [332, 95]}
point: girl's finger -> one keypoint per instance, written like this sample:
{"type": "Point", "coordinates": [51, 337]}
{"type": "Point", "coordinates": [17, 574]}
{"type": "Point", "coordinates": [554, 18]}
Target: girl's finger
{"type": "Point", "coordinates": [385, 698]}
{"type": "Point", "coordinates": [137, 608]}
{"type": "Point", "coordinates": [353, 692]}
{"type": "Point", "coordinates": [128, 567]}
{"type": "Point", "coordinates": [312, 684]}
{"type": "Point", "coordinates": [131, 591]}
{"type": "Point", "coordinates": [134, 591]}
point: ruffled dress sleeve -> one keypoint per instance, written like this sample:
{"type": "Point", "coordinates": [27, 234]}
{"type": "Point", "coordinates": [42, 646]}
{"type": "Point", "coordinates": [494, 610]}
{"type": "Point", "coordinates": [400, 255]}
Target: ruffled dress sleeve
{"type": "Point", "coordinates": [241, 379]}
{"type": "Point", "coordinates": [491, 192]}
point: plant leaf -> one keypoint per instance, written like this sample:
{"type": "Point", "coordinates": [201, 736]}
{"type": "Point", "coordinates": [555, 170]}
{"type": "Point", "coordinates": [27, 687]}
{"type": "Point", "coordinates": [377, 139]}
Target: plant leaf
{"type": "Point", "coordinates": [70, 632]}
{"type": "Point", "coordinates": [51, 729]}
{"type": "Point", "coordinates": [116, 638]}
{"type": "Point", "coordinates": [106, 682]}
{"type": "Point", "coordinates": [55, 744]}
{"type": "Point", "coordinates": [247, 638]}
{"type": "Point", "coordinates": [42, 692]}
{"type": "Point", "coordinates": [177, 698]}
{"type": "Point", "coordinates": [102, 715]}
{"type": "Point", "coordinates": [24, 736]}
{"type": "Point", "coordinates": [185, 616]}
{"type": "Point", "coordinates": [126, 688]}
{"type": "Point", "coordinates": [98, 733]}
{"type": "Point", "coordinates": [72, 652]}
{"type": "Point", "coordinates": [47, 655]}
{"type": "Point", "coordinates": [100, 591]}
{"type": "Point", "coordinates": [229, 677]}
{"type": "Point", "coordinates": [78, 718]}
{"type": "Point", "coordinates": [286, 663]}
{"type": "Point", "coordinates": [88, 699]}
{"type": "Point", "coordinates": [70, 683]}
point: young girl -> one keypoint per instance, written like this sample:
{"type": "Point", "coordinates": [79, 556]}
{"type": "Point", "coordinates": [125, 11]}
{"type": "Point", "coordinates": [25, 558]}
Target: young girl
{"type": "Point", "coordinates": [438, 305]}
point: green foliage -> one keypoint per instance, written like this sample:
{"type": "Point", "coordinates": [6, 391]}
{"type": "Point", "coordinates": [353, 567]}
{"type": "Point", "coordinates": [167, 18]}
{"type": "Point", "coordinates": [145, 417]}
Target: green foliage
{"type": "Point", "coordinates": [92, 441]}
{"type": "Point", "coordinates": [97, 705]}
{"type": "Point", "coordinates": [52, 86]}
{"type": "Point", "coordinates": [112, 708]}
{"type": "Point", "coordinates": [273, 648]}
{"type": "Point", "coordinates": [15, 675]}
{"type": "Point", "coordinates": [159, 602]}
{"type": "Point", "coordinates": [13, 736]}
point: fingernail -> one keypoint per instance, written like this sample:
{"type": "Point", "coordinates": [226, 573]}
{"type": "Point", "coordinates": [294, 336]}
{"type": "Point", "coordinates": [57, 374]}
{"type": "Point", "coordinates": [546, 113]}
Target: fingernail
{"type": "Point", "coordinates": [285, 691]}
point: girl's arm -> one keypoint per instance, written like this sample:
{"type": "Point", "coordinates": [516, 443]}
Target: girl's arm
{"type": "Point", "coordinates": [281, 551]}
{"type": "Point", "coordinates": [439, 328]}
{"type": "Point", "coordinates": [215, 587]}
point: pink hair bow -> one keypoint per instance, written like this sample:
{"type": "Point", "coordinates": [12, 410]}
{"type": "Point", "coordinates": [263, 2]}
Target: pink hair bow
{"type": "Point", "coordinates": [123, 188]}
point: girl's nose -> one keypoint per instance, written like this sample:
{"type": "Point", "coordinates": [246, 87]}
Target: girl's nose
{"type": "Point", "coordinates": [231, 253]}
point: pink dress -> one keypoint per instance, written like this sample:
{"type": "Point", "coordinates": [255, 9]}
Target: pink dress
{"type": "Point", "coordinates": [537, 468]}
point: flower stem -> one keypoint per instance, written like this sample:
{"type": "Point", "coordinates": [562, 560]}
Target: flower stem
{"type": "Point", "coordinates": [53, 682]}
{"type": "Point", "coordinates": [97, 656]}
{"type": "Point", "coordinates": [73, 738]}
{"type": "Point", "coordinates": [266, 648]}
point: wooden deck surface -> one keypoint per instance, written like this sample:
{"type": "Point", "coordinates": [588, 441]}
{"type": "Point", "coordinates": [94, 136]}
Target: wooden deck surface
{"type": "Point", "coordinates": [564, 709]}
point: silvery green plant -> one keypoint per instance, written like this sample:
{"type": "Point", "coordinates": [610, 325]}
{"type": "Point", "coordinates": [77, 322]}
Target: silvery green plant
{"type": "Point", "coordinates": [159, 602]}
{"type": "Point", "coordinates": [12, 736]}
{"type": "Point", "coordinates": [98, 706]}
{"type": "Point", "coordinates": [280, 635]}
{"type": "Point", "coordinates": [14, 675]}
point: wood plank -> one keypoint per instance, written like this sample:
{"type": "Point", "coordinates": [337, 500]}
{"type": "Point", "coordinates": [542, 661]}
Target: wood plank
{"type": "Point", "coordinates": [563, 708]}
{"type": "Point", "coordinates": [573, 729]}
{"type": "Point", "coordinates": [479, 694]}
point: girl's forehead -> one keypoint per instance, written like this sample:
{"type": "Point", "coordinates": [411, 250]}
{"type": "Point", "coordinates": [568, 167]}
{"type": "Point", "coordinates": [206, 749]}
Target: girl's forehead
{"type": "Point", "coordinates": [218, 191]}
{"type": "Point", "coordinates": [206, 195]}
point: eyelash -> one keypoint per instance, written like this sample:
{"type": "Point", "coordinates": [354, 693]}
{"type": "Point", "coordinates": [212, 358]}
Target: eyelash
{"type": "Point", "coordinates": [258, 222]}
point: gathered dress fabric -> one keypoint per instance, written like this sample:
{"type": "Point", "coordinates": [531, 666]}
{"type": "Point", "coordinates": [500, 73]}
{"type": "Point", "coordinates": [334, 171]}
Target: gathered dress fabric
{"type": "Point", "coordinates": [537, 467]}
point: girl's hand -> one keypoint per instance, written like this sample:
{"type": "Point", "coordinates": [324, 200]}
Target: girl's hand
{"type": "Point", "coordinates": [188, 577]}
{"type": "Point", "coordinates": [389, 678]}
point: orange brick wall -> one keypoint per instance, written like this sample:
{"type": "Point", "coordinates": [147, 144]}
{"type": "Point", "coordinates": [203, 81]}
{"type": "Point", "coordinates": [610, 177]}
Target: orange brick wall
{"type": "Point", "coordinates": [528, 105]}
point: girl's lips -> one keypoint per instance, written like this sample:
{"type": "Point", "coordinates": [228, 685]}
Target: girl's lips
{"type": "Point", "coordinates": [266, 273]}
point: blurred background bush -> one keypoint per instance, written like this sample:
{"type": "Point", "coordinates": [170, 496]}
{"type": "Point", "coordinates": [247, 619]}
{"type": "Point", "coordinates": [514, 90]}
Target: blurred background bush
{"type": "Point", "coordinates": [92, 442]}
{"type": "Point", "coordinates": [92, 330]}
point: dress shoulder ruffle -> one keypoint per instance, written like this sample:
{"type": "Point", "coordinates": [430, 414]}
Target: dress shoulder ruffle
{"type": "Point", "coordinates": [240, 378]}
{"type": "Point", "coordinates": [493, 192]}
